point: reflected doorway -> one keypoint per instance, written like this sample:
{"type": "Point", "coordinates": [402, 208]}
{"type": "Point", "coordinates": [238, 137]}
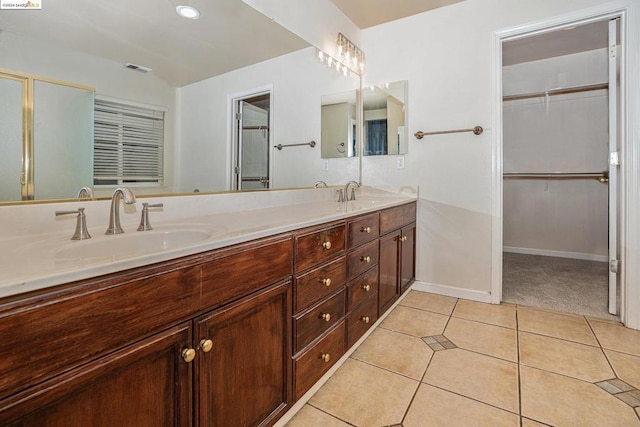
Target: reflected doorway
{"type": "Point", "coordinates": [251, 160]}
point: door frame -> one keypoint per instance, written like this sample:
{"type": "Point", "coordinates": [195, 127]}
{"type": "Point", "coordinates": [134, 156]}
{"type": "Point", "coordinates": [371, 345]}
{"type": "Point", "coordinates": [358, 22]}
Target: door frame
{"type": "Point", "coordinates": [629, 173]}
{"type": "Point", "coordinates": [232, 131]}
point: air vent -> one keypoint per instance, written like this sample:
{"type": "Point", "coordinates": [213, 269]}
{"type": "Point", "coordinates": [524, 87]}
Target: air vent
{"type": "Point", "coordinates": [137, 67]}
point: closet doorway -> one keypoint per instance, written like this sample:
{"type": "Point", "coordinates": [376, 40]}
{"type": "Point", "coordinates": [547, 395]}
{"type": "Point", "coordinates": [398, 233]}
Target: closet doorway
{"type": "Point", "coordinates": [251, 163]}
{"type": "Point", "coordinates": [560, 169]}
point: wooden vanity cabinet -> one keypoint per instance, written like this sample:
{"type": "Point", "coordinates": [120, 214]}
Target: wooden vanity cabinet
{"type": "Point", "coordinates": [125, 349]}
{"type": "Point", "coordinates": [397, 253]}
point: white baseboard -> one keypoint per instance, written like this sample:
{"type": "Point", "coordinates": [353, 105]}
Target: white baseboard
{"type": "Point", "coordinates": [451, 291]}
{"type": "Point", "coordinates": [559, 254]}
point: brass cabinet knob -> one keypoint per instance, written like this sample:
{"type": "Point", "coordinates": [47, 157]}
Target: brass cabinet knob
{"type": "Point", "coordinates": [366, 287]}
{"type": "Point", "coordinates": [325, 357]}
{"type": "Point", "coordinates": [188, 354]}
{"type": "Point", "coordinates": [326, 282]}
{"type": "Point", "coordinates": [403, 239]}
{"type": "Point", "coordinates": [365, 319]}
{"type": "Point", "coordinates": [365, 230]}
{"type": "Point", "coordinates": [326, 245]}
{"type": "Point", "coordinates": [366, 259]}
{"type": "Point", "coordinates": [325, 316]}
{"type": "Point", "coordinates": [206, 345]}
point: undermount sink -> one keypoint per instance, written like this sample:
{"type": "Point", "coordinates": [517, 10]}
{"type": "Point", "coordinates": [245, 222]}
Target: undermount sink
{"type": "Point", "coordinates": [127, 245]}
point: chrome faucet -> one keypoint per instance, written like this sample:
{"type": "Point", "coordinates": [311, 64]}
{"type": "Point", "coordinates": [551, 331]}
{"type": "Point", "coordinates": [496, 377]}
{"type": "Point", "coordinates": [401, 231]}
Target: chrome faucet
{"type": "Point", "coordinates": [127, 197]}
{"type": "Point", "coordinates": [351, 196]}
{"type": "Point", "coordinates": [319, 184]}
{"type": "Point", "coordinates": [85, 192]}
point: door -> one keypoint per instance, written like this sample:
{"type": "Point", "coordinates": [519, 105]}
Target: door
{"type": "Point", "coordinates": [244, 380]}
{"type": "Point", "coordinates": [613, 167]}
{"type": "Point", "coordinates": [252, 158]}
{"type": "Point", "coordinates": [388, 264]}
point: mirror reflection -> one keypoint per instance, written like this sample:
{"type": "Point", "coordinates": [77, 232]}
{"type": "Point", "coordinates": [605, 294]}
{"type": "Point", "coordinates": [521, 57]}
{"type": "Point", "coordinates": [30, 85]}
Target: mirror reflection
{"type": "Point", "coordinates": [338, 118]}
{"type": "Point", "coordinates": [198, 130]}
{"type": "Point", "coordinates": [385, 117]}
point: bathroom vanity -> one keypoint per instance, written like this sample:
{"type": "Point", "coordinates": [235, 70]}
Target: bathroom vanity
{"type": "Point", "coordinates": [228, 336]}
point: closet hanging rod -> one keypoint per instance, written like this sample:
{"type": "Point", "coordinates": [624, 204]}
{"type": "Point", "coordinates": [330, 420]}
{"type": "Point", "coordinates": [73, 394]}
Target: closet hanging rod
{"type": "Point", "coordinates": [280, 146]}
{"type": "Point", "coordinates": [476, 131]}
{"type": "Point", "coordinates": [255, 127]}
{"type": "Point", "coordinates": [558, 91]}
{"type": "Point", "coordinates": [600, 176]}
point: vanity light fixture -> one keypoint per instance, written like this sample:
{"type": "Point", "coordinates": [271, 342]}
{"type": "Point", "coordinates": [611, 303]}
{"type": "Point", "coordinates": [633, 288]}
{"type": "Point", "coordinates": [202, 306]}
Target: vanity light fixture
{"type": "Point", "coordinates": [348, 59]}
{"type": "Point", "coordinates": [188, 12]}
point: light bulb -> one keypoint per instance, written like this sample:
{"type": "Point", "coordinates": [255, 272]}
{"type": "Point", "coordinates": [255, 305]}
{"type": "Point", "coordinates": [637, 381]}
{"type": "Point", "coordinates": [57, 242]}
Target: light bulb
{"type": "Point", "coordinates": [188, 12]}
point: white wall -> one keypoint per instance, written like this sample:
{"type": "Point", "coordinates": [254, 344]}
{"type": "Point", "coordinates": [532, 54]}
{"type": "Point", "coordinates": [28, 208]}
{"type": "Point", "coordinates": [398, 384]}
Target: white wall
{"type": "Point", "coordinates": [110, 78]}
{"type": "Point", "coordinates": [298, 82]}
{"type": "Point", "coordinates": [447, 57]}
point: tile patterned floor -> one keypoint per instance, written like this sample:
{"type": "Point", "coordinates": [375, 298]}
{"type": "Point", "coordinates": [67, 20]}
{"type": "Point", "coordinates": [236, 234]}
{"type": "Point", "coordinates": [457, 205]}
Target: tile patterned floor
{"type": "Point", "coordinates": [441, 361]}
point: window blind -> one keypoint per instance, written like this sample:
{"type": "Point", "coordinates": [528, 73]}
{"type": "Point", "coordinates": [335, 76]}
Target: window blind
{"type": "Point", "coordinates": [128, 144]}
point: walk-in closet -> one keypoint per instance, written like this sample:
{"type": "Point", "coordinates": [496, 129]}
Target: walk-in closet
{"type": "Point", "coordinates": [559, 178]}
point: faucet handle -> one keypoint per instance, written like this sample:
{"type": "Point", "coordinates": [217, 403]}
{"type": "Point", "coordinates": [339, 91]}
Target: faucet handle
{"type": "Point", "coordinates": [341, 197]}
{"type": "Point", "coordinates": [81, 232]}
{"type": "Point", "coordinates": [144, 218]}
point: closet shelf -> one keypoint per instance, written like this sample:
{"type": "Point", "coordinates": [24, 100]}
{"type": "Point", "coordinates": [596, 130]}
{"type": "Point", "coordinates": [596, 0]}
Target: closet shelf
{"type": "Point", "coordinates": [557, 91]}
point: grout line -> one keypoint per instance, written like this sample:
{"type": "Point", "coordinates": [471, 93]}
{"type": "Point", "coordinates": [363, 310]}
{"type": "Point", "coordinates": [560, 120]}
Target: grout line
{"type": "Point", "coordinates": [518, 367]}
{"type": "Point", "coordinates": [385, 369]}
{"type": "Point", "coordinates": [539, 334]}
{"type": "Point", "coordinates": [331, 415]}
{"type": "Point", "coordinates": [601, 348]}
{"type": "Point", "coordinates": [472, 398]}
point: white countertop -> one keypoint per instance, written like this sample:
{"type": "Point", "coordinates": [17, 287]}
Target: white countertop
{"type": "Point", "coordinates": [36, 260]}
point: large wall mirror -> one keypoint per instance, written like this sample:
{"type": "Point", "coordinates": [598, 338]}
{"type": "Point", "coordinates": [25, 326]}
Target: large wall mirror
{"type": "Point", "coordinates": [52, 43]}
{"type": "Point", "coordinates": [385, 118]}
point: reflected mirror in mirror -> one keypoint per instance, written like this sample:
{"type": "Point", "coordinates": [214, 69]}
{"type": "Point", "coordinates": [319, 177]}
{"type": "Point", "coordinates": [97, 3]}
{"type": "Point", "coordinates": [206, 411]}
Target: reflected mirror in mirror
{"type": "Point", "coordinates": [338, 121]}
{"type": "Point", "coordinates": [385, 118]}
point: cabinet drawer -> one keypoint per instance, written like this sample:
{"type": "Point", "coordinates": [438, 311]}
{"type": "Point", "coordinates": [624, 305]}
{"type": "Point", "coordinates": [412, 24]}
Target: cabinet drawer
{"type": "Point", "coordinates": [313, 363]}
{"type": "Point", "coordinates": [362, 287]}
{"type": "Point", "coordinates": [362, 259]}
{"type": "Point", "coordinates": [313, 322]}
{"type": "Point", "coordinates": [361, 319]}
{"type": "Point", "coordinates": [363, 230]}
{"type": "Point", "coordinates": [317, 246]}
{"type": "Point", "coordinates": [318, 283]}
{"type": "Point", "coordinates": [393, 218]}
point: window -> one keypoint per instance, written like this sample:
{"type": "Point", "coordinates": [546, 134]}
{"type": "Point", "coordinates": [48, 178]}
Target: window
{"type": "Point", "coordinates": [128, 144]}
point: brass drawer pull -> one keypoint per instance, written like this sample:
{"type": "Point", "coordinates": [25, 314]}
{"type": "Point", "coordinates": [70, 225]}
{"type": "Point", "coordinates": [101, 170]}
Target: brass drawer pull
{"type": "Point", "coordinates": [326, 245]}
{"type": "Point", "coordinates": [403, 239]}
{"type": "Point", "coordinates": [326, 282]}
{"type": "Point", "coordinates": [205, 345]}
{"type": "Point", "coordinates": [365, 230]}
{"type": "Point", "coordinates": [365, 319]}
{"type": "Point", "coordinates": [366, 287]}
{"type": "Point", "coordinates": [188, 354]}
{"type": "Point", "coordinates": [366, 259]}
{"type": "Point", "coordinates": [325, 357]}
{"type": "Point", "coordinates": [325, 316]}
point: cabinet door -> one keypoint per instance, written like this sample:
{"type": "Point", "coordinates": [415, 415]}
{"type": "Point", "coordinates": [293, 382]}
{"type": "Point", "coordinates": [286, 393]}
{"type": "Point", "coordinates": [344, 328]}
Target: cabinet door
{"type": "Point", "coordinates": [146, 384]}
{"type": "Point", "coordinates": [388, 289]}
{"type": "Point", "coordinates": [244, 379]}
{"type": "Point", "coordinates": [407, 257]}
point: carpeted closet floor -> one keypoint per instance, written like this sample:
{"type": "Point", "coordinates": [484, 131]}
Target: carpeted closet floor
{"type": "Point", "coordinates": [563, 284]}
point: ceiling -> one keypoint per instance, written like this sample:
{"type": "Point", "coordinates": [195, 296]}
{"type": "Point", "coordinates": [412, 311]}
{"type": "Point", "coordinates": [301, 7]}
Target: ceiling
{"type": "Point", "coordinates": [229, 34]}
{"type": "Point", "coordinates": [556, 43]}
{"type": "Point", "coordinates": [367, 13]}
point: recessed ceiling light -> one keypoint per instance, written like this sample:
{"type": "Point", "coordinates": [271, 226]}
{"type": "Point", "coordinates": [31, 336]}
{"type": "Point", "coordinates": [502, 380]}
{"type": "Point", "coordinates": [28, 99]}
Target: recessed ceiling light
{"type": "Point", "coordinates": [188, 12]}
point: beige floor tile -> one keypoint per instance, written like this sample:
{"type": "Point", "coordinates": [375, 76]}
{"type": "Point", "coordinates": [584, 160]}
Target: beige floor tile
{"type": "Point", "coordinates": [617, 337]}
{"type": "Point", "coordinates": [418, 323]}
{"type": "Point", "coordinates": [430, 302]}
{"type": "Point", "coordinates": [483, 338]}
{"type": "Point", "coordinates": [626, 366]}
{"type": "Point", "coordinates": [397, 352]}
{"type": "Point", "coordinates": [558, 400]}
{"type": "Point", "coordinates": [364, 395]}
{"type": "Point", "coordinates": [310, 416]}
{"type": "Point", "coordinates": [576, 360]}
{"type": "Point", "coordinates": [526, 422]}
{"type": "Point", "coordinates": [558, 325]}
{"type": "Point", "coordinates": [500, 315]}
{"type": "Point", "coordinates": [487, 379]}
{"type": "Point", "coordinates": [435, 407]}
